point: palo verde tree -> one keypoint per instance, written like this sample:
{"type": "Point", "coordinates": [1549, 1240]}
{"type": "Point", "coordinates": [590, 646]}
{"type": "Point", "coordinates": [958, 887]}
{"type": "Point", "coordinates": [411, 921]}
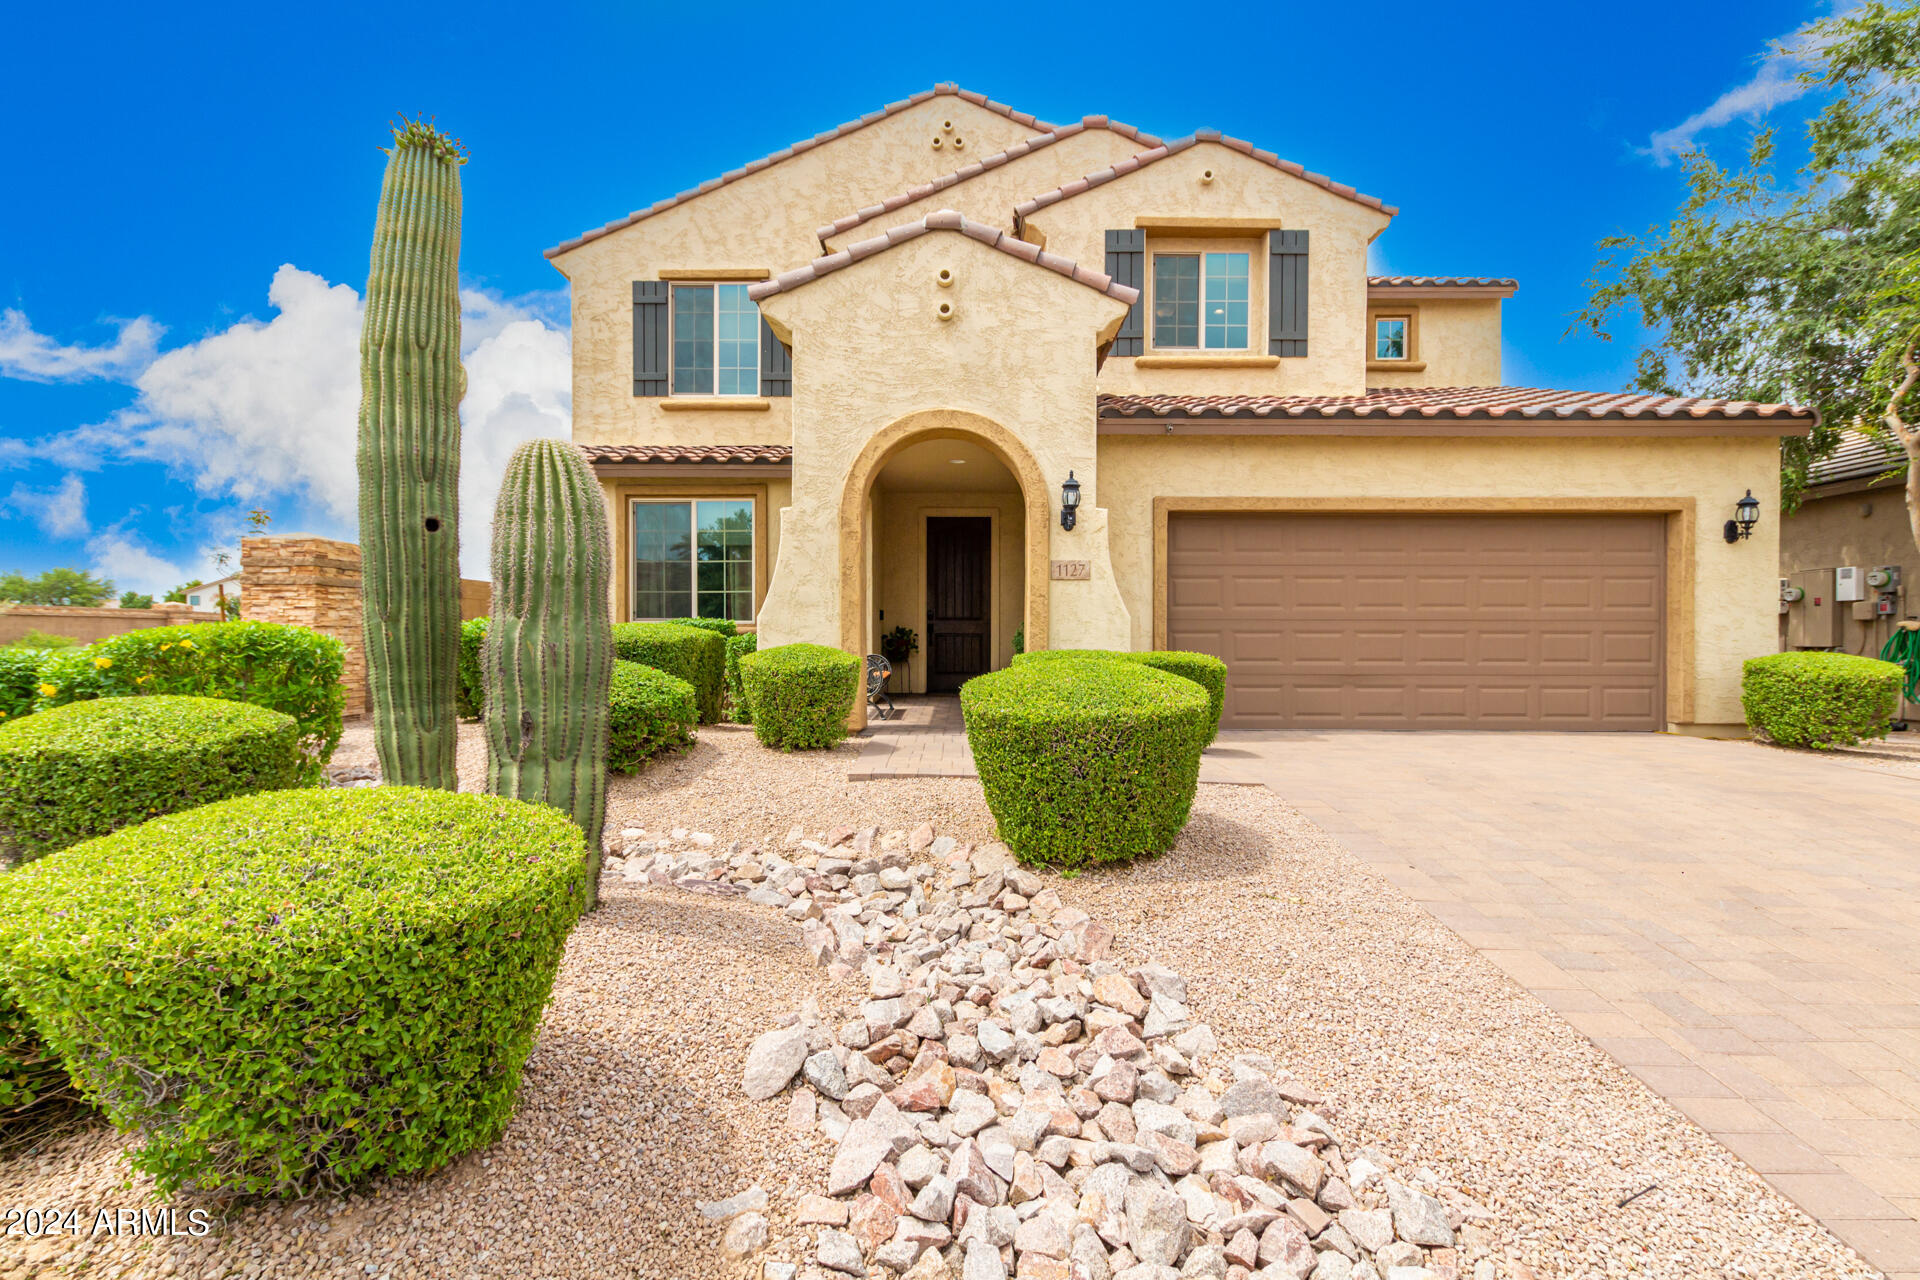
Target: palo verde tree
{"type": "Point", "coordinates": [411, 383]}
{"type": "Point", "coordinates": [1809, 291]}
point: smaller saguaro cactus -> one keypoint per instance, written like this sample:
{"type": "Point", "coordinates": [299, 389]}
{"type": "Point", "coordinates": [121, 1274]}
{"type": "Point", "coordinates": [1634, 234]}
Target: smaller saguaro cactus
{"type": "Point", "coordinates": [547, 661]}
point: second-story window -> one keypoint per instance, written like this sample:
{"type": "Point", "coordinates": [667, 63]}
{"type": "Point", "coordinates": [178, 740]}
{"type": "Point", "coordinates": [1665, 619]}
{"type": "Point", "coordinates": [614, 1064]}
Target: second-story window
{"type": "Point", "coordinates": [716, 340]}
{"type": "Point", "coordinates": [1390, 338]}
{"type": "Point", "coordinates": [1200, 300]}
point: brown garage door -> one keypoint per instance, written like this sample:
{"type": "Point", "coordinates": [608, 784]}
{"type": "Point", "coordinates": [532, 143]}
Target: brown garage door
{"type": "Point", "coordinates": [1428, 621]}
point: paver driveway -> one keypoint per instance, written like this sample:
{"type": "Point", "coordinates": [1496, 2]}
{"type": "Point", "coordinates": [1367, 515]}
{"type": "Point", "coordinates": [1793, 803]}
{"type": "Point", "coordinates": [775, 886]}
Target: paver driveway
{"type": "Point", "coordinates": [1739, 927]}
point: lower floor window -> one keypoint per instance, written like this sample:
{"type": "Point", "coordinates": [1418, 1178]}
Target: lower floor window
{"type": "Point", "coordinates": [693, 558]}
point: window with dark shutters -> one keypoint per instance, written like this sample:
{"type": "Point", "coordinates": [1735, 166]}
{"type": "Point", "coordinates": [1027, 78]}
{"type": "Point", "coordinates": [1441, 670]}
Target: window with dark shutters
{"type": "Point", "coordinates": [1287, 293]}
{"type": "Point", "coordinates": [776, 363]}
{"type": "Point", "coordinates": [652, 353]}
{"type": "Point", "coordinates": [1127, 264]}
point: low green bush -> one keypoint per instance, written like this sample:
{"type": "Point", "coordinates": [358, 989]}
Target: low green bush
{"type": "Point", "coordinates": [292, 670]}
{"type": "Point", "coordinates": [1203, 669]}
{"type": "Point", "coordinates": [801, 695]}
{"type": "Point", "coordinates": [37, 639]}
{"type": "Point", "coordinates": [284, 994]}
{"type": "Point", "coordinates": [71, 773]}
{"type": "Point", "coordinates": [651, 712]}
{"type": "Point", "coordinates": [1086, 760]}
{"type": "Point", "coordinates": [28, 1069]}
{"type": "Point", "coordinates": [1819, 700]}
{"type": "Point", "coordinates": [719, 626]}
{"type": "Point", "coordinates": [19, 682]}
{"type": "Point", "coordinates": [697, 655]}
{"type": "Point", "coordinates": [470, 694]}
{"type": "Point", "coordinates": [738, 647]}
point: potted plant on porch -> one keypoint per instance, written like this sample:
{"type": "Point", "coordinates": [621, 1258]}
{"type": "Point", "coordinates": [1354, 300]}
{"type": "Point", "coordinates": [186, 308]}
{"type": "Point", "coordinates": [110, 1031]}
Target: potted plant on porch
{"type": "Point", "coordinates": [897, 647]}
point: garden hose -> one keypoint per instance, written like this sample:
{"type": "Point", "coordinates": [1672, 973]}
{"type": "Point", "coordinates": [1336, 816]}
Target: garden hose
{"type": "Point", "coordinates": [1903, 649]}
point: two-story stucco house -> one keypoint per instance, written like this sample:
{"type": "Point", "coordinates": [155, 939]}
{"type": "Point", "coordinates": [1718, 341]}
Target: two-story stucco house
{"type": "Point", "coordinates": [953, 368]}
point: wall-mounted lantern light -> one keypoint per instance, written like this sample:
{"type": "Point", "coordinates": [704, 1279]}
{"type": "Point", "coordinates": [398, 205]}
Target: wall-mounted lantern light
{"type": "Point", "coordinates": [1069, 500]}
{"type": "Point", "coordinates": [1746, 514]}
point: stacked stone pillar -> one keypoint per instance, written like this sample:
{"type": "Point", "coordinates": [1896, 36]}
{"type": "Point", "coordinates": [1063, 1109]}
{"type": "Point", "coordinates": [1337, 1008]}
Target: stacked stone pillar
{"type": "Point", "coordinates": [309, 582]}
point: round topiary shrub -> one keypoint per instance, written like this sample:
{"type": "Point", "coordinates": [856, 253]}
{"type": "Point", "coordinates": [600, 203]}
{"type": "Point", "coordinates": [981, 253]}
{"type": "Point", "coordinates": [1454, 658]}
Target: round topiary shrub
{"type": "Point", "coordinates": [282, 994]}
{"type": "Point", "coordinates": [801, 695]}
{"type": "Point", "coordinates": [70, 773]}
{"type": "Point", "coordinates": [19, 681]}
{"type": "Point", "coordinates": [1819, 700]}
{"type": "Point", "coordinates": [697, 655]}
{"type": "Point", "coordinates": [1203, 669]}
{"type": "Point", "coordinates": [651, 712]}
{"type": "Point", "coordinates": [738, 647]}
{"type": "Point", "coordinates": [1086, 761]}
{"type": "Point", "coordinates": [28, 1069]}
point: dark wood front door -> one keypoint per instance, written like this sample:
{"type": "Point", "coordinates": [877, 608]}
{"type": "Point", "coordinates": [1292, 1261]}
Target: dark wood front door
{"type": "Point", "coordinates": [959, 582]}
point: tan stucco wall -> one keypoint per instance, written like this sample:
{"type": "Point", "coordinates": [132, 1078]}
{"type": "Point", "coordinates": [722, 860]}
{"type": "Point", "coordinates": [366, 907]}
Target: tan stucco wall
{"type": "Point", "coordinates": [879, 357]}
{"type": "Point", "coordinates": [764, 221]}
{"type": "Point", "coordinates": [1243, 192]}
{"type": "Point", "coordinates": [899, 550]}
{"type": "Point", "coordinates": [989, 196]}
{"type": "Point", "coordinates": [1867, 528]}
{"type": "Point", "coordinates": [1459, 343]}
{"type": "Point", "coordinates": [1732, 591]}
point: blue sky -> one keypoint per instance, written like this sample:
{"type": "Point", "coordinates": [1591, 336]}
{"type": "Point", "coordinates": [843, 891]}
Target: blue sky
{"type": "Point", "coordinates": [190, 194]}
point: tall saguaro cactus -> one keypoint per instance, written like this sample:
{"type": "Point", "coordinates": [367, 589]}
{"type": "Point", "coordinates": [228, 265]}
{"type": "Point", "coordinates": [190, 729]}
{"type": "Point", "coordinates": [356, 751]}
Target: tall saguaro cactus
{"type": "Point", "coordinates": [411, 383]}
{"type": "Point", "coordinates": [547, 661]}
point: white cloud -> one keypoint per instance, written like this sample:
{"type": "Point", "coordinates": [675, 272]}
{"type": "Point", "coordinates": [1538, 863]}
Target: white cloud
{"type": "Point", "coordinates": [269, 410]}
{"type": "Point", "coordinates": [34, 357]}
{"type": "Point", "coordinates": [131, 567]}
{"type": "Point", "coordinates": [1776, 81]}
{"type": "Point", "coordinates": [61, 512]}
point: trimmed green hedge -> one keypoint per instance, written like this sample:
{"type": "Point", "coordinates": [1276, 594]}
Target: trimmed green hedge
{"type": "Point", "coordinates": [651, 712]}
{"type": "Point", "coordinates": [469, 695]}
{"type": "Point", "coordinates": [1088, 760]}
{"type": "Point", "coordinates": [719, 626]}
{"type": "Point", "coordinates": [71, 773]}
{"type": "Point", "coordinates": [19, 681]}
{"type": "Point", "coordinates": [1203, 669]}
{"type": "Point", "coordinates": [801, 695]}
{"type": "Point", "coordinates": [28, 1069]}
{"type": "Point", "coordinates": [1819, 700]}
{"type": "Point", "coordinates": [738, 647]}
{"type": "Point", "coordinates": [697, 655]}
{"type": "Point", "coordinates": [283, 994]}
{"type": "Point", "coordinates": [291, 670]}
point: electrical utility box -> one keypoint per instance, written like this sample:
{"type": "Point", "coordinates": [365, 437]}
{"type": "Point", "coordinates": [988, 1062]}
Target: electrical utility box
{"type": "Point", "coordinates": [1849, 584]}
{"type": "Point", "coordinates": [1814, 623]}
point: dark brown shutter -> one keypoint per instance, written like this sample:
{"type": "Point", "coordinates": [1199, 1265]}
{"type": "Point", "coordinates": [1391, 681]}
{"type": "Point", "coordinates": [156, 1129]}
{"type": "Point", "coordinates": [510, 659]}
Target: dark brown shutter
{"type": "Point", "coordinates": [652, 354]}
{"type": "Point", "coordinates": [776, 363]}
{"type": "Point", "coordinates": [1287, 293]}
{"type": "Point", "coordinates": [1127, 264]}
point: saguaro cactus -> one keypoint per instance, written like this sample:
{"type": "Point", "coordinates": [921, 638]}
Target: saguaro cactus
{"type": "Point", "coordinates": [547, 661]}
{"type": "Point", "coordinates": [409, 459]}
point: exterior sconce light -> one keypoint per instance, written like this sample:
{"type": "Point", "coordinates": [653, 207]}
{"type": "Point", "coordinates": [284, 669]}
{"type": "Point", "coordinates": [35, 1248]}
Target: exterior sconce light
{"type": "Point", "coordinates": [1746, 514]}
{"type": "Point", "coordinates": [1069, 500]}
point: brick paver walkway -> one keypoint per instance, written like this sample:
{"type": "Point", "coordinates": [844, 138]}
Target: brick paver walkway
{"type": "Point", "coordinates": [1739, 927]}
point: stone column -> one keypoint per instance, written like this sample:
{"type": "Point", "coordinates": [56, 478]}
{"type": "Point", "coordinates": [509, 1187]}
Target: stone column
{"type": "Point", "coordinates": [312, 582]}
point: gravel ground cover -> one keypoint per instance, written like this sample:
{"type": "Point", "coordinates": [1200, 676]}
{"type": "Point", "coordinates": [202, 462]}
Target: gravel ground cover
{"type": "Point", "coordinates": [633, 1109]}
{"type": "Point", "coordinates": [1897, 753]}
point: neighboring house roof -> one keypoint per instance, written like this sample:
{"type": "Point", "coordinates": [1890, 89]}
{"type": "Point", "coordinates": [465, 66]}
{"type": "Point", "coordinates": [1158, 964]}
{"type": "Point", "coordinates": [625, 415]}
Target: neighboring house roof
{"type": "Point", "coordinates": [772, 455]}
{"type": "Point", "coordinates": [805, 144]}
{"type": "Point", "coordinates": [1027, 209]}
{"type": "Point", "coordinates": [1023, 148]}
{"type": "Point", "coordinates": [944, 220]}
{"type": "Point", "coordinates": [1452, 403]}
{"type": "Point", "coordinates": [1858, 456]}
{"type": "Point", "coordinates": [1441, 282]}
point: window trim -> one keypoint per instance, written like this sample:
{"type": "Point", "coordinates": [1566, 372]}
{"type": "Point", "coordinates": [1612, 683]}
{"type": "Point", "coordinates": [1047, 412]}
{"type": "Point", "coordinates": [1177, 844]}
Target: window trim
{"type": "Point", "coordinates": [631, 589]}
{"type": "Point", "coordinates": [1411, 362]}
{"type": "Point", "coordinates": [1200, 256]}
{"type": "Point", "coordinates": [1406, 339]}
{"type": "Point", "coordinates": [673, 335]}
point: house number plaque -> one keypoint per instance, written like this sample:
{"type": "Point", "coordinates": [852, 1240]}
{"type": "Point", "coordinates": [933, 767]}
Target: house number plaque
{"type": "Point", "coordinates": [1072, 570]}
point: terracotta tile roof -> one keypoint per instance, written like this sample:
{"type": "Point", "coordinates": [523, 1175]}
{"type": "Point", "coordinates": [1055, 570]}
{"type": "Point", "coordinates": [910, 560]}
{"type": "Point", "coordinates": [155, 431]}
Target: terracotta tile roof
{"type": "Point", "coordinates": [1858, 456]}
{"type": "Point", "coordinates": [805, 144]}
{"type": "Point", "coordinates": [1023, 148]}
{"type": "Point", "coordinates": [1442, 282]}
{"type": "Point", "coordinates": [1452, 403]}
{"type": "Point", "coordinates": [772, 455]}
{"type": "Point", "coordinates": [1028, 208]}
{"type": "Point", "coordinates": [944, 220]}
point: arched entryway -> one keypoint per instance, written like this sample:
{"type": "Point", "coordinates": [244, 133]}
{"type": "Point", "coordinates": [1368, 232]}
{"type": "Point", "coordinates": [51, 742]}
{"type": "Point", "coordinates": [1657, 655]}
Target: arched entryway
{"type": "Point", "coordinates": [944, 514]}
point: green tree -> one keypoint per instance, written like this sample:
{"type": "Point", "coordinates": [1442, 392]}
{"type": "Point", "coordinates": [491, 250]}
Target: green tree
{"type": "Point", "coordinates": [57, 586]}
{"type": "Point", "coordinates": [135, 600]}
{"type": "Point", "coordinates": [179, 594]}
{"type": "Point", "coordinates": [1807, 292]}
